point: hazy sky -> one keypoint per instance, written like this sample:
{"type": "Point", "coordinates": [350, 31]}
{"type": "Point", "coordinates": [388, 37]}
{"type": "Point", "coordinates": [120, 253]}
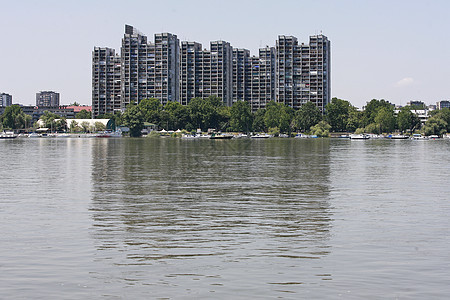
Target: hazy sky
{"type": "Point", "coordinates": [393, 50]}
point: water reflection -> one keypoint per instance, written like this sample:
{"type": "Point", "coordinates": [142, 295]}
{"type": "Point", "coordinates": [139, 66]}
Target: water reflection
{"type": "Point", "coordinates": [211, 204]}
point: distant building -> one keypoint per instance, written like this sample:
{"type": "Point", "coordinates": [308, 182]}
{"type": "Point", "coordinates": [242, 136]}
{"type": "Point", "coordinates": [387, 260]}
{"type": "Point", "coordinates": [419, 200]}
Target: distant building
{"type": "Point", "coordinates": [443, 104]}
{"type": "Point", "coordinates": [36, 112]}
{"type": "Point", "coordinates": [47, 99]}
{"type": "Point", "coordinates": [5, 100]}
{"type": "Point", "coordinates": [416, 104]}
{"type": "Point", "coordinates": [78, 108]}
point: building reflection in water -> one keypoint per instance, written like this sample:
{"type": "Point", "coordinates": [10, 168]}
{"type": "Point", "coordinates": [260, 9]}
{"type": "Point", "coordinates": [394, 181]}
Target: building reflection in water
{"type": "Point", "coordinates": [211, 204]}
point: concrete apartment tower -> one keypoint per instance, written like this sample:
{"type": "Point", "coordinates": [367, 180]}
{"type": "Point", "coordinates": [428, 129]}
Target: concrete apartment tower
{"type": "Point", "coordinates": [106, 83]}
{"type": "Point", "coordinates": [47, 99]}
{"type": "Point", "coordinates": [240, 75]}
{"type": "Point", "coordinates": [191, 70]}
{"type": "Point", "coordinates": [149, 70]}
{"type": "Point", "coordinates": [302, 71]}
{"type": "Point", "coordinates": [206, 73]}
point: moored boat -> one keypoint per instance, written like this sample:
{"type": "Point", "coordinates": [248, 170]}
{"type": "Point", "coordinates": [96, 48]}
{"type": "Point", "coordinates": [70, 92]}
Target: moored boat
{"type": "Point", "coordinates": [221, 137]}
{"type": "Point", "coordinates": [8, 135]}
{"type": "Point", "coordinates": [359, 136]}
{"type": "Point", "coordinates": [399, 137]}
{"type": "Point", "coordinates": [418, 136]}
{"type": "Point", "coordinates": [260, 136]}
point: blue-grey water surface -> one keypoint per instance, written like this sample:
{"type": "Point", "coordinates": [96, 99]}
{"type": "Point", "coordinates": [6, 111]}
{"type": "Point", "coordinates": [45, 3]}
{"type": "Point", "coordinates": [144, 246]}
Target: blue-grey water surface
{"type": "Point", "coordinates": [224, 219]}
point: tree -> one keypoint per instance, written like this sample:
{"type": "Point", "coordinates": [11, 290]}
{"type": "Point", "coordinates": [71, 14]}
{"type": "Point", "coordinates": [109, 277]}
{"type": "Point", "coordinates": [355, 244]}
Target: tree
{"type": "Point", "coordinates": [151, 109]}
{"type": "Point", "coordinates": [133, 118]}
{"type": "Point", "coordinates": [338, 113]}
{"type": "Point", "coordinates": [241, 118]}
{"type": "Point", "coordinates": [14, 118]}
{"type": "Point", "coordinates": [271, 117]}
{"type": "Point", "coordinates": [307, 116]}
{"type": "Point", "coordinates": [444, 115]}
{"type": "Point", "coordinates": [61, 124]}
{"type": "Point", "coordinates": [258, 120]}
{"type": "Point", "coordinates": [278, 115]}
{"type": "Point", "coordinates": [178, 115]}
{"type": "Point", "coordinates": [48, 118]}
{"type": "Point", "coordinates": [224, 116]}
{"type": "Point", "coordinates": [86, 126]}
{"type": "Point", "coordinates": [353, 120]}
{"type": "Point", "coordinates": [385, 119]}
{"type": "Point", "coordinates": [99, 126]}
{"type": "Point", "coordinates": [83, 114]}
{"type": "Point", "coordinates": [321, 129]}
{"type": "Point", "coordinates": [204, 113]}
{"type": "Point", "coordinates": [74, 127]}
{"type": "Point", "coordinates": [407, 120]}
{"type": "Point", "coordinates": [435, 125]}
{"type": "Point", "coordinates": [372, 108]}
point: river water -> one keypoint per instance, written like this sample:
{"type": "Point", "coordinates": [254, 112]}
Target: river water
{"type": "Point", "coordinates": [224, 219]}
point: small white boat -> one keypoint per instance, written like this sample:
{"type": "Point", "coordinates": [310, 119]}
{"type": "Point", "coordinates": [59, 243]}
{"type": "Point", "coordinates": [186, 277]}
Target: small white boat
{"type": "Point", "coordinates": [399, 137]}
{"type": "Point", "coordinates": [418, 136]}
{"type": "Point", "coordinates": [359, 136]}
{"type": "Point", "coordinates": [260, 136]}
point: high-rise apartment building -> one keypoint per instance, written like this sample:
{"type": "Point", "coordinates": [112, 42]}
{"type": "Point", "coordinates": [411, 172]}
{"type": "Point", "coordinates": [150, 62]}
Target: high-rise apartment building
{"type": "Point", "coordinates": [240, 77]}
{"type": "Point", "coordinates": [190, 71]}
{"type": "Point", "coordinates": [302, 71]}
{"type": "Point", "coordinates": [290, 73]}
{"type": "Point", "coordinates": [47, 99]}
{"type": "Point", "coordinates": [149, 70]}
{"type": "Point", "coordinates": [106, 83]}
{"type": "Point", "coordinates": [5, 100]}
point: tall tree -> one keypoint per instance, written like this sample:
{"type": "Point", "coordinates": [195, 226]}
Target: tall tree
{"type": "Point", "coordinates": [204, 113]}
{"type": "Point", "coordinates": [372, 108]}
{"type": "Point", "coordinates": [338, 112]}
{"type": "Point", "coordinates": [14, 118]}
{"type": "Point", "coordinates": [178, 115]}
{"type": "Point", "coordinates": [278, 115]}
{"type": "Point", "coordinates": [241, 117]}
{"type": "Point", "coordinates": [151, 109]}
{"type": "Point", "coordinates": [385, 119]}
{"type": "Point", "coordinates": [407, 120]}
{"type": "Point", "coordinates": [258, 120]}
{"type": "Point", "coordinates": [307, 116]}
{"type": "Point", "coordinates": [133, 118]}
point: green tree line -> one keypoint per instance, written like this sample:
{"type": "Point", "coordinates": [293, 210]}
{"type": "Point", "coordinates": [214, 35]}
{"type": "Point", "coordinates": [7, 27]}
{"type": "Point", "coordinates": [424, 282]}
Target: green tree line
{"type": "Point", "coordinates": [378, 116]}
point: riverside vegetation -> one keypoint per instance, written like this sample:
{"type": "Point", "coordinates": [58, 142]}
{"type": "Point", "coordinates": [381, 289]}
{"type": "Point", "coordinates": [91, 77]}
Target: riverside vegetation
{"type": "Point", "coordinates": [378, 116]}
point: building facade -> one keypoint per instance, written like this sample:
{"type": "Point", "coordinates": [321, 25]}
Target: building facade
{"type": "Point", "coordinates": [106, 81]}
{"type": "Point", "coordinates": [290, 73]}
{"type": "Point", "coordinates": [47, 99]}
{"type": "Point", "coordinates": [5, 100]}
{"type": "Point", "coordinates": [149, 70]}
